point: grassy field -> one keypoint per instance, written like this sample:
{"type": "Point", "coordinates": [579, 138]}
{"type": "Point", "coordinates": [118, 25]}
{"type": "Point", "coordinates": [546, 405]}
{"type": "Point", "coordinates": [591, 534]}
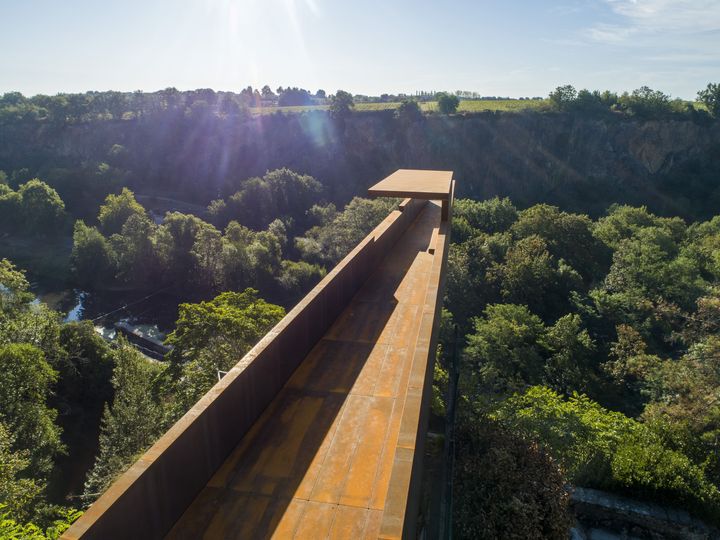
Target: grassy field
{"type": "Point", "coordinates": [481, 105]}
{"type": "Point", "coordinates": [468, 106]}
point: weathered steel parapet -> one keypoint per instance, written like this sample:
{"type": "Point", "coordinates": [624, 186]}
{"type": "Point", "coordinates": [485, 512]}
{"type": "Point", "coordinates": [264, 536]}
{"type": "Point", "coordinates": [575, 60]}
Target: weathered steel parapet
{"type": "Point", "coordinates": [397, 272]}
{"type": "Point", "coordinates": [403, 500]}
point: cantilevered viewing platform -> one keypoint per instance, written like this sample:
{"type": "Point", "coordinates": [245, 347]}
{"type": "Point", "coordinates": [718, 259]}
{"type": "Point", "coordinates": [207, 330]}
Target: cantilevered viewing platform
{"type": "Point", "coordinates": [319, 431]}
{"type": "Point", "coordinates": [417, 184]}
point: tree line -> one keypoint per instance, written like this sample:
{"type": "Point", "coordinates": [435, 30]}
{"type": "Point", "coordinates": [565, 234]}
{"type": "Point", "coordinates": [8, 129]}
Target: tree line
{"type": "Point", "coordinates": [113, 105]}
{"type": "Point", "coordinates": [643, 102]}
{"type": "Point", "coordinates": [34, 208]}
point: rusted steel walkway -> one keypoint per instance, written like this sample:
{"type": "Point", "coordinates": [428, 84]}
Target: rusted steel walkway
{"type": "Point", "coordinates": [318, 431]}
{"type": "Point", "coordinates": [319, 461]}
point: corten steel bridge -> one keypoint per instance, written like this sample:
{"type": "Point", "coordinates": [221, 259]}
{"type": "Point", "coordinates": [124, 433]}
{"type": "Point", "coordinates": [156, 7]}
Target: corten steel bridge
{"type": "Point", "coordinates": [319, 430]}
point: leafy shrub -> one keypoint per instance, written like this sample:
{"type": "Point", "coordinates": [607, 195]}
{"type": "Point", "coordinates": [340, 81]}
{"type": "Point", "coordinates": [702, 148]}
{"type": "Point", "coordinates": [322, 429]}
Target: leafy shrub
{"type": "Point", "coordinates": [441, 379]}
{"type": "Point", "coordinates": [646, 102]}
{"type": "Point", "coordinates": [447, 103]}
{"type": "Point", "coordinates": [409, 111]}
{"type": "Point", "coordinates": [563, 97]}
{"type": "Point", "coordinates": [12, 530]}
{"type": "Point", "coordinates": [490, 216]}
{"type": "Point", "coordinates": [710, 97]}
{"type": "Point", "coordinates": [506, 486]}
{"type": "Point", "coordinates": [665, 475]}
{"type": "Point", "coordinates": [606, 449]}
{"type": "Point", "coordinates": [330, 242]}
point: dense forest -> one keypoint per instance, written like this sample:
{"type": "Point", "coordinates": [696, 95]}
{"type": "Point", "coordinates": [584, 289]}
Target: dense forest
{"type": "Point", "coordinates": [595, 340]}
{"type": "Point", "coordinates": [583, 278]}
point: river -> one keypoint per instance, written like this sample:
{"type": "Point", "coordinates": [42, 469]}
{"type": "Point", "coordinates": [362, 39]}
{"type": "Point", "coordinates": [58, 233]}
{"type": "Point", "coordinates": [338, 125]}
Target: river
{"type": "Point", "coordinates": [154, 312]}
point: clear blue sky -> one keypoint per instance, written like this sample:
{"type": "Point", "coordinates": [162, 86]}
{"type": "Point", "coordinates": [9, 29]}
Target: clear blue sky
{"type": "Point", "coordinates": [510, 47]}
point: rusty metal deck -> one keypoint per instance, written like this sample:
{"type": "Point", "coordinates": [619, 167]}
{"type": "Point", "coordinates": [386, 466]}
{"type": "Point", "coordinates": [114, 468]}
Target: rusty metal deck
{"type": "Point", "coordinates": [318, 462]}
{"type": "Point", "coordinates": [421, 184]}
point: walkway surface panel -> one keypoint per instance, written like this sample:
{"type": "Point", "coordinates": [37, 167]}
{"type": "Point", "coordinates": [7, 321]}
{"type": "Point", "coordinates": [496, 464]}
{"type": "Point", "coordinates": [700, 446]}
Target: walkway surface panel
{"type": "Point", "coordinates": [317, 463]}
{"type": "Point", "coordinates": [414, 183]}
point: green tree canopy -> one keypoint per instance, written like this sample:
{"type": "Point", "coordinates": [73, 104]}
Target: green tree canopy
{"type": "Point", "coordinates": [93, 259]}
{"type": "Point", "coordinates": [710, 97]}
{"type": "Point", "coordinates": [11, 218]}
{"type": "Point", "coordinates": [24, 321]}
{"type": "Point", "coordinates": [331, 242]}
{"type": "Point", "coordinates": [471, 275]}
{"type": "Point", "coordinates": [18, 493]}
{"type": "Point", "coordinates": [511, 349]}
{"type": "Point", "coordinates": [646, 102]}
{"type": "Point", "coordinates": [235, 319]}
{"type": "Point", "coordinates": [623, 222]}
{"type": "Point", "coordinates": [42, 208]}
{"type": "Point", "coordinates": [211, 337]}
{"type": "Point", "coordinates": [568, 237]}
{"type": "Point", "coordinates": [25, 383]}
{"type": "Point", "coordinates": [341, 104]}
{"type": "Point", "coordinates": [176, 238]}
{"type": "Point", "coordinates": [300, 276]}
{"type": "Point", "coordinates": [447, 103]}
{"type": "Point", "coordinates": [14, 293]}
{"type": "Point", "coordinates": [87, 366]}
{"type": "Point", "coordinates": [605, 449]}
{"type": "Point", "coordinates": [131, 424]}
{"type": "Point", "coordinates": [650, 267]}
{"type": "Point", "coordinates": [563, 97]}
{"type": "Point", "coordinates": [530, 275]}
{"type": "Point", "coordinates": [489, 216]}
{"type": "Point", "coordinates": [505, 350]}
{"type": "Point", "coordinates": [208, 252]}
{"type": "Point", "coordinates": [570, 355]}
{"type": "Point", "coordinates": [137, 253]}
{"type": "Point", "coordinates": [281, 193]}
{"type": "Point", "coordinates": [685, 402]}
{"type": "Point", "coordinates": [117, 209]}
{"type": "Point", "coordinates": [408, 111]}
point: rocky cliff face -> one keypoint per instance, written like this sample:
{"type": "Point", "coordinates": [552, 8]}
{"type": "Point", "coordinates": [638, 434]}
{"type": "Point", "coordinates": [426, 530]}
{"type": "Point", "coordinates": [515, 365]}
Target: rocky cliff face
{"type": "Point", "coordinates": [577, 162]}
{"type": "Point", "coordinates": [580, 163]}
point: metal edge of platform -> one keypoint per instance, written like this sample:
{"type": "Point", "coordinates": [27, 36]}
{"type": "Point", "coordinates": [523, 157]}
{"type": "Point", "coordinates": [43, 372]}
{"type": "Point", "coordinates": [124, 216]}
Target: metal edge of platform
{"type": "Point", "coordinates": [401, 509]}
{"type": "Point", "coordinates": [151, 495]}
